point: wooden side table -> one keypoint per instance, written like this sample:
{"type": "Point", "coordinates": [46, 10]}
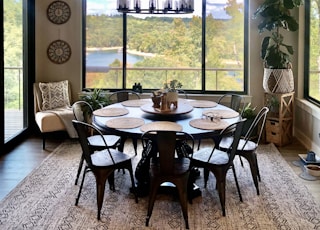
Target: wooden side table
{"type": "Point", "coordinates": [279, 123]}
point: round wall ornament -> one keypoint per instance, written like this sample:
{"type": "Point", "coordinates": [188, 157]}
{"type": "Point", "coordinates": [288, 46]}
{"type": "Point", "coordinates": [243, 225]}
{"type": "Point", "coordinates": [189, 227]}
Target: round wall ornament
{"type": "Point", "coordinates": [59, 51]}
{"type": "Point", "coordinates": [58, 12]}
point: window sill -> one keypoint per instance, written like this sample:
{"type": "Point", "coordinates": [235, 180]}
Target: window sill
{"type": "Point", "coordinates": [308, 107]}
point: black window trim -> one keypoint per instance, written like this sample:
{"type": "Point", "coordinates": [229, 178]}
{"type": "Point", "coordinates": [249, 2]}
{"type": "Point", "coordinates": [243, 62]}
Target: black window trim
{"type": "Point", "coordinates": [203, 69]}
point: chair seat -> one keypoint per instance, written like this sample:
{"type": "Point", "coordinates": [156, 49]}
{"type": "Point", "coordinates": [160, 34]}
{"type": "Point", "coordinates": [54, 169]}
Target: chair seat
{"type": "Point", "coordinates": [242, 146]}
{"type": "Point", "coordinates": [181, 166]}
{"type": "Point", "coordinates": [102, 158]}
{"type": "Point", "coordinates": [218, 157]}
{"type": "Point", "coordinates": [96, 140]}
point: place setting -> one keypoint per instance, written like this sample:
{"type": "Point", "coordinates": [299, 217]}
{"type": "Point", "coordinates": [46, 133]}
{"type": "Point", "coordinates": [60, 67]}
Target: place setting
{"type": "Point", "coordinates": [110, 112]}
{"type": "Point", "coordinates": [125, 122]}
{"type": "Point", "coordinates": [222, 113]}
{"type": "Point", "coordinates": [209, 122]}
{"type": "Point", "coordinates": [136, 102]}
{"type": "Point", "coordinates": [202, 103]}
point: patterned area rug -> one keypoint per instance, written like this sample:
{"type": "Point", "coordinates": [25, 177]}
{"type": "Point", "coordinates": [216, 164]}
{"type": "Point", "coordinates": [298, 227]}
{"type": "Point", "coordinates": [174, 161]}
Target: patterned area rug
{"type": "Point", "coordinates": [45, 199]}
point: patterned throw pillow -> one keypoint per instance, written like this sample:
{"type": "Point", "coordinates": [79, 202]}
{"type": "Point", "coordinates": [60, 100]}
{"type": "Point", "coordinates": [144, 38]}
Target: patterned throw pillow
{"type": "Point", "coordinates": [54, 94]}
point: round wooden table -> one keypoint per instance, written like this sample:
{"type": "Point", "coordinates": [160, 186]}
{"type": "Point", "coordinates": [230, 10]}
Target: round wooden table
{"type": "Point", "coordinates": [130, 119]}
{"type": "Point", "coordinates": [184, 114]}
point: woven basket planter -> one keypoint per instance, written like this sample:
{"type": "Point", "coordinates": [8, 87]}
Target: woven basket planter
{"type": "Point", "coordinates": [278, 80]}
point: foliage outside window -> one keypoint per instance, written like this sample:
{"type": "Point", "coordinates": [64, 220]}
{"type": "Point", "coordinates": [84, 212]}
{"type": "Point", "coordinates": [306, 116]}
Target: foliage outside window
{"type": "Point", "coordinates": [313, 35]}
{"type": "Point", "coordinates": [162, 48]}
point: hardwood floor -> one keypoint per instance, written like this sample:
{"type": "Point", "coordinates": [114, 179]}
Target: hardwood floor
{"type": "Point", "coordinates": [18, 163]}
{"type": "Point", "coordinates": [290, 153]}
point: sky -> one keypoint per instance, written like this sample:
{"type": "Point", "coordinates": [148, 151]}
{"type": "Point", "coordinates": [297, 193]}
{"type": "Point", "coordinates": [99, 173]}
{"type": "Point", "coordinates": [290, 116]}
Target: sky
{"type": "Point", "coordinates": [213, 6]}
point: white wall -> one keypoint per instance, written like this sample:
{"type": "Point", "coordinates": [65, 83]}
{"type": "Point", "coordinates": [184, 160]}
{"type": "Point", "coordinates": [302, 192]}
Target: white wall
{"type": "Point", "coordinates": [306, 116]}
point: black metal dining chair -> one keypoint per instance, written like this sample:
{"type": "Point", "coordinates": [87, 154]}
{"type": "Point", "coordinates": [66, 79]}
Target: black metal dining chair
{"type": "Point", "coordinates": [167, 167]}
{"type": "Point", "coordinates": [82, 111]}
{"type": "Point", "coordinates": [123, 95]}
{"type": "Point", "coordinates": [217, 161]}
{"type": "Point", "coordinates": [233, 101]}
{"type": "Point", "coordinates": [247, 146]}
{"type": "Point", "coordinates": [101, 163]}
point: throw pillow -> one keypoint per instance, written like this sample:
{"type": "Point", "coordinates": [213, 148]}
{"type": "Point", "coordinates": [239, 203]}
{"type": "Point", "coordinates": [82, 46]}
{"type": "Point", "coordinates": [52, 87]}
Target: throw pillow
{"type": "Point", "coordinates": [54, 95]}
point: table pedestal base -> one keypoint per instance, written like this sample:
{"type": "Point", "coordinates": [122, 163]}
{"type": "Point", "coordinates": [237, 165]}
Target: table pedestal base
{"type": "Point", "coordinates": [169, 188]}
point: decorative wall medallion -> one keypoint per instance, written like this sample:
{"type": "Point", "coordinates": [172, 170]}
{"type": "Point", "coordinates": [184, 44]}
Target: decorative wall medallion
{"type": "Point", "coordinates": [58, 12]}
{"type": "Point", "coordinates": [59, 52]}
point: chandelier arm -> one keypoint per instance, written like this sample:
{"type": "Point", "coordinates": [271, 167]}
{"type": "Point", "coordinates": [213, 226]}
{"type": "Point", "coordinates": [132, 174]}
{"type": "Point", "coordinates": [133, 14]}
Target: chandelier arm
{"type": "Point", "coordinates": [156, 6]}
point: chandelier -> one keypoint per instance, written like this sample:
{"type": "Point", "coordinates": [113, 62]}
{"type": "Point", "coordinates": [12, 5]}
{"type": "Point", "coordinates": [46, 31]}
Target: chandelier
{"type": "Point", "coordinates": [156, 6]}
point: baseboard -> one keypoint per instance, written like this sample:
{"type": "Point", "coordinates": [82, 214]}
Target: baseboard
{"type": "Point", "coordinates": [306, 142]}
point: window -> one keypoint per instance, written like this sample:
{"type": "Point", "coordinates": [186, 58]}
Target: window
{"type": "Point", "coordinates": [312, 67]}
{"type": "Point", "coordinates": [204, 50]}
{"type": "Point", "coordinates": [13, 78]}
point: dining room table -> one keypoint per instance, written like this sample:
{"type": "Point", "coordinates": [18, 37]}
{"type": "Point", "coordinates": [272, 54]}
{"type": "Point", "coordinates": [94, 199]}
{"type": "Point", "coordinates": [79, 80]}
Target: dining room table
{"type": "Point", "coordinates": [130, 119]}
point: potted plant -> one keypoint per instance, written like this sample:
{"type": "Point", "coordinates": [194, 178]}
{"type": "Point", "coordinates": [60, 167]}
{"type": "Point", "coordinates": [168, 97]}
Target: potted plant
{"type": "Point", "coordinates": [273, 105]}
{"type": "Point", "coordinates": [172, 93]}
{"type": "Point", "coordinates": [172, 86]}
{"type": "Point", "coordinates": [249, 113]}
{"type": "Point", "coordinates": [97, 98]}
{"type": "Point", "coordinates": [276, 16]}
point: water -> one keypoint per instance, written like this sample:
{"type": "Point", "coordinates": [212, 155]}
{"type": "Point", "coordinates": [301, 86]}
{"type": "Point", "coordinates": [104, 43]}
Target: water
{"type": "Point", "coordinates": [105, 58]}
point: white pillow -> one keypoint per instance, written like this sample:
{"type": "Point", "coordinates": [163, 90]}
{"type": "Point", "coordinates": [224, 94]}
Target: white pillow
{"type": "Point", "coordinates": [54, 95]}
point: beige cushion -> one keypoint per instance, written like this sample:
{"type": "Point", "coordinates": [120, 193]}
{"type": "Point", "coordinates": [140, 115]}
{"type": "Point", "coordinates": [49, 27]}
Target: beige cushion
{"type": "Point", "coordinates": [54, 95]}
{"type": "Point", "coordinates": [49, 122]}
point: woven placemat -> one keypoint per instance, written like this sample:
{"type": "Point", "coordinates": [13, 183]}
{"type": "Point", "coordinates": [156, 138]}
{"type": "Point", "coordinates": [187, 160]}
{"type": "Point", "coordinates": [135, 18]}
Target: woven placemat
{"type": "Point", "coordinates": [221, 113]}
{"type": "Point", "coordinates": [208, 124]}
{"type": "Point", "coordinates": [161, 125]}
{"type": "Point", "coordinates": [125, 122]}
{"type": "Point", "coordinates": [202, 104]}
{"type": "Point", "coordinates": [110, 112]}
{"type": "Point", "coordinates": [135, 103]}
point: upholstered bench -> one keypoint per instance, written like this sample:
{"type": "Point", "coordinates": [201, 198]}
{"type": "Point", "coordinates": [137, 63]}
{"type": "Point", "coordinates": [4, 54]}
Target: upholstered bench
{"type": "Point", "coordinates": [52, 108]}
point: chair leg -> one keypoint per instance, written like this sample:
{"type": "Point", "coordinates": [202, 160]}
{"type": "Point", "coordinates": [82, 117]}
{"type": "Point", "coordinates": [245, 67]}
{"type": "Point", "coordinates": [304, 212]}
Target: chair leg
{"type": "Point", "coordinates": [111, 182]}
{"type": "Point", "coordinates": [252, 159]}
{"type": "Point", "coordinates": [258, 172]}
{"type": "Point", "coordinates": [132, 182]}
{"type": "Point", "coordinates": [101, 178]}
{"type": "Point", "coordinates": [135, 145]}
{"type": "Point", "coordinates": [152, 198]}
{"type": "Point", "coordinates": [199, 143]}
{"type": "Point", "coordinates": [43, 141]}
{"type": "Point", "coordinates": [206, 176]}
{"type": "Point", "coordinates": [255, 173]}
{"type": "Point", "coordinates": [241, 160]}
{"type": "Point", "coordinates": [236, 180]}
{"type": "Point", "coordinates": [221, 186]}
{"type": "Point", "coordinates": [81, 185]}
{"type": "Point", "coordinates": [79, 168]}
{"type": "Point", "coordinates": [183, 197]}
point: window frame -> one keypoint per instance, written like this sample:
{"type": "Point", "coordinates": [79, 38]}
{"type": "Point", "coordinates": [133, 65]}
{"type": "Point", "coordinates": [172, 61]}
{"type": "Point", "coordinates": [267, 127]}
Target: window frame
{"type": "Point", "coordinates": [306, 89]}
{"type": "Point", "coordinates": [203, 67]}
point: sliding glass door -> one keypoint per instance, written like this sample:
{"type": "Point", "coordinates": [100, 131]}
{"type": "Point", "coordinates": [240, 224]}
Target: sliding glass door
{"type": "Point", "coordinates": [17, 72]}
{"type": "Point", "coordinates": [13, 68]}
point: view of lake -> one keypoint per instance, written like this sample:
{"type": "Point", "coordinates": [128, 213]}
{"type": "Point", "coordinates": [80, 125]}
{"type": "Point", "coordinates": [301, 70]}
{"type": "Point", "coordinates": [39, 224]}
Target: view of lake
{"type": "Point", "coordinates": [105, 58]}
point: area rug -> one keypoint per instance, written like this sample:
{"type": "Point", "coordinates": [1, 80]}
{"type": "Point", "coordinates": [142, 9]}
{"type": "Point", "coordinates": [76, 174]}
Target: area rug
{"type": "Point", "coordinates": [45, 199]}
